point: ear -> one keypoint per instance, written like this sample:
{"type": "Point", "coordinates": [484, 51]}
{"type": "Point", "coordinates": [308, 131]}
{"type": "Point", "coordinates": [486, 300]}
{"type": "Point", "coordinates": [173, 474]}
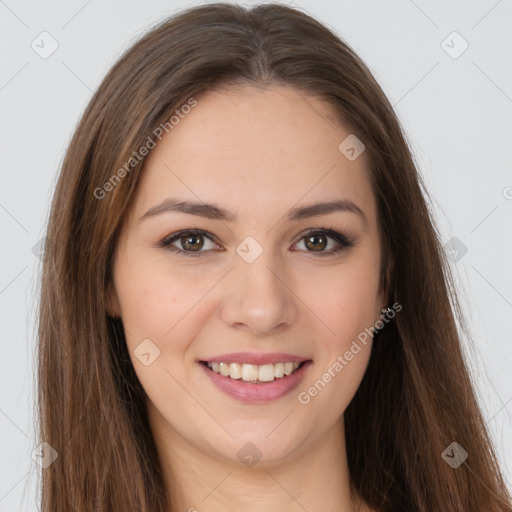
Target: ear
{"type": "Point", "coordinates": [384, 303]}
{"type": "Point", "coordinates": [112, 306]}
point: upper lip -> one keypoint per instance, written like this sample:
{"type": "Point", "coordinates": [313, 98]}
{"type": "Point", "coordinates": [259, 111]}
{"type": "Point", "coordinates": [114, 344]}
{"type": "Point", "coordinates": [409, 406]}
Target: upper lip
{"type": "Point", "coordinates": [257, 359]}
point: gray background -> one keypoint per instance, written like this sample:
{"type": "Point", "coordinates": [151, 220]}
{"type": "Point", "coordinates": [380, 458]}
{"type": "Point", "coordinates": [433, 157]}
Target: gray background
{"type": "Point", "coordinates": [455, 109]}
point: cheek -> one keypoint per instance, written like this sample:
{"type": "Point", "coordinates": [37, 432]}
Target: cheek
{"type": "Point", "coordinates": [155, 304]}
{"type": "Point", "coordinates": [161, 306]}
{"type": "Point", "coordinates": [348, 303]}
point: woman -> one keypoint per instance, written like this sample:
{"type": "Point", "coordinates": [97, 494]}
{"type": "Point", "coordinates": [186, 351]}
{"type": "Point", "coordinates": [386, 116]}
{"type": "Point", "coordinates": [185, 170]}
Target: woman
{"type": "Point", "coordinates": [245, 303]}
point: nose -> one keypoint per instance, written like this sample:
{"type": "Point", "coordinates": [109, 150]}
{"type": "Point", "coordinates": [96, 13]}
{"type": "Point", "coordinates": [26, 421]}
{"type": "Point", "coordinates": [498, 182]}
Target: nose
{"type": "Point", "coordinates": [259, 297]}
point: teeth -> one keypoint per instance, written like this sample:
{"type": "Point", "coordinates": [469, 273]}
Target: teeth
{"type": "Point", "coordinates": [254, 372]}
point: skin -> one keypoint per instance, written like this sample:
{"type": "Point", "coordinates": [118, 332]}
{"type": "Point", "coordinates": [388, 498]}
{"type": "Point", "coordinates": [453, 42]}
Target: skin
{"type": "Point", "coordinates": [259, 153]}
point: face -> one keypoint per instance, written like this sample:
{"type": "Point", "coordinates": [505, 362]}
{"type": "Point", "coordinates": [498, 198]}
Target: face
{"type": "Point", "coordinates": [263, 277]}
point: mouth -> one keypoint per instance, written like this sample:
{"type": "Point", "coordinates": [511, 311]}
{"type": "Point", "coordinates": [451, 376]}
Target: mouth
{"type": "Point", "coordinates": [256, 383]}
{"type": "Point", "coordinates": [253, 373]}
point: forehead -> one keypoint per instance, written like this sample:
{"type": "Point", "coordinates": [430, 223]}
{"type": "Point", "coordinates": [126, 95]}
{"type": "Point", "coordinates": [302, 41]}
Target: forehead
{"type": "Point", "coordinates": [253, 151]}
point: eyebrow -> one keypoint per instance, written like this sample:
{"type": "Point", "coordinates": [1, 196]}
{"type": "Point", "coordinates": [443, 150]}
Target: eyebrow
{"type": "Point", "coordinates": [212, 211]}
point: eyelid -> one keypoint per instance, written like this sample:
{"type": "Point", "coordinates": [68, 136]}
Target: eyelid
{"type": "Point", "coordinates": [167, 242]}
{"type": "Point", "coordinates": [343, 242]}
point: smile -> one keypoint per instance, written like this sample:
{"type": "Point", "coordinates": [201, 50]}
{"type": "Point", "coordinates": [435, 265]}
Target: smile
{"type": "Point", "coordinates": [253, 372]}
{"type": "Point", "coordinates": [256, 384]}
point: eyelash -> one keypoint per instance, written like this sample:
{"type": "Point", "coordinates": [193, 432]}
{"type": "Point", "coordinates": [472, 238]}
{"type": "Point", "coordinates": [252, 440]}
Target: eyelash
{"type": "Point", "coordinates": [343, 242]}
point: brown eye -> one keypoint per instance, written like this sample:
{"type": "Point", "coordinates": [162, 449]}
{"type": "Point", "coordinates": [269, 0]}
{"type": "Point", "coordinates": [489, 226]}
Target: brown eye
{"type": "Point", "coordinates": [192, 242]}
{"type": "Point", "coordinates": [325, 242]}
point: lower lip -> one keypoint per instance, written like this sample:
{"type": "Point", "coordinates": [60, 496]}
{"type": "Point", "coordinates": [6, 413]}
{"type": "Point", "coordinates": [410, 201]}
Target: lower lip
{"type": "Point", "coordinates": [257, 393]}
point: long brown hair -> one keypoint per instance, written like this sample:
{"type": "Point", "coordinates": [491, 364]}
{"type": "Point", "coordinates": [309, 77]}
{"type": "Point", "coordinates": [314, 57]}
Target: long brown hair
{"type": "Point", "coordinates": [416, 397]}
